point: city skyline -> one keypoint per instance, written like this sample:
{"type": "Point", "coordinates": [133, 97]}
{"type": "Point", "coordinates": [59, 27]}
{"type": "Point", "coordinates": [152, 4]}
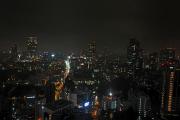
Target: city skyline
{"type": "Point", "coordinates": [69, 25]}
{"type": "Point", "coordinates": [89, 60]}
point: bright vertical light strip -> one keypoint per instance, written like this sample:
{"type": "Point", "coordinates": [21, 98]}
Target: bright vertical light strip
{"type": "Point", "coordinates": [163, 91]}
{"type": "Point", "coordinates": [67, 67]}
{"type": "Point", "coordinates": [170, 92]}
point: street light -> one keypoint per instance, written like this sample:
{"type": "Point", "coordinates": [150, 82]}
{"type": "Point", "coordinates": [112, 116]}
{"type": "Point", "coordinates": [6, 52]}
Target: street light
{"type": "Point", "coordinates": [110, 93]}
{"type": "Point", "coordinates": [52, 55]}
{"type": "Point", "coordinates": [86, 104]}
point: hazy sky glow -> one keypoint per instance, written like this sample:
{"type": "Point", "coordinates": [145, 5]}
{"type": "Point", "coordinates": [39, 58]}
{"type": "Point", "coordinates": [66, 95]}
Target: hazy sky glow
{"type": "Point", "coordinates": [68, 25]}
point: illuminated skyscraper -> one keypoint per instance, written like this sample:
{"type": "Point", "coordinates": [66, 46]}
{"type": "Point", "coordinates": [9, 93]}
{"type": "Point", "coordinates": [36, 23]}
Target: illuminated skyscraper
{"type": "Point", "coordinates": [92, 49]}
{"type": "Point", "coordinates": [91, 54]}
{"type": "Point", "coordinates": [133, 57]}
{"type": "Point", "coordinates": [144, 107]}
{"type": "Point", "coordinates": [170, 102]}
{"type": "Point", "coordinates": [31, 46]}
{"type": "Point", "coordinates": [170, 94]}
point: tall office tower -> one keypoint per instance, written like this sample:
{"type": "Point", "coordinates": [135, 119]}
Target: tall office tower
{"type": "Point", "coordinates": [144, 107]}
{"type": "Point", "coordinates": [31, 46]}
{"type": "Point", "coordinates": [92, 54]}
{"type": "Point", "coordinates": [170, 94]}
{"type": "Point", "coordinates": [92, 49]}
{"type": "Point", "coordinates": [170, 101]}
{"type": "Point", "coordinates": [133, 58]}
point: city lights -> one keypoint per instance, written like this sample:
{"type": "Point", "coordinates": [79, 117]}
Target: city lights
{"type": "Point", "coordinates": [89, 60]}
{"type": "Point", "coordinates": [110, 93]}
{"type": "Point", "coordinates": [50, 85]}
{"type": "Point", "coordinates": [52, 55]}
{"type": "Point", "coordinates": [30, 97]}
{"type": "Point", "coordinates": [86, 104]}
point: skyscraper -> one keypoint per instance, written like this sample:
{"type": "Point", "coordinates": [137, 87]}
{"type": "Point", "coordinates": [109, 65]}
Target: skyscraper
{"type": "Point", "coordinates": [144, 107]}
{"type": "Point", "coordinates": [31, 46]}
{"type": "Point", "coordinates": [170, 94]}
{"type": "Point", "coordinates": [91, 54]}
{"type": "Point", "coordinates": [133, 57]}
{"type": "Point", "coordinates": [92, 49]}
{"type": "Point", "coordinates": [170, 102]}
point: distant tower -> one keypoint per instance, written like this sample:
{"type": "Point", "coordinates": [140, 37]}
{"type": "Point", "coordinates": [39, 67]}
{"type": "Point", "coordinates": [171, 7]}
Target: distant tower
{"type": "Point", "coordinates": [14, 52]}
{"type": "Point", "coordinates": [133, 57]}
{"type": "Point", "coordinates": [92, 53]}
{"type": "Point", "coordinates": [92, 49]}
{"type": "Point", "coordinates": [31, 46]}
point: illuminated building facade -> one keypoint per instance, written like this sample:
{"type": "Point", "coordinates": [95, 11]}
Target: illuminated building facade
{"type": "Point", "coordinates": [144, 107]}
{"type": "Point", "coordinates": [92, 49]}
{"type": "Point", "coordinates": [170, 95]}
{"type": "Point", "coordinates": [58, 71]}
{"type": "Point", "coordinates": [92, 53]}
{"type": "Point", "coordinates": [170, 102]}
{"type": "Point", "coordinates": [31, 46]}
{"type": "Point", "coordinates": [133, 56]}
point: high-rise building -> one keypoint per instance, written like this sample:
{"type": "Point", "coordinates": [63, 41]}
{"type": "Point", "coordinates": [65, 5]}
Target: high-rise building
{"type": "Point", "coordinates": [170, 102]}
{"type": "Point", "coordinates": [133, 58]}
{"type": "Point", "coordinates": [144, 107]}
{"type": "Point", "coordinates": [92, 49]}
{"type": "Point", "coordinates": [31, 46]}
{"type": "Point", "coordinates": [170, 94]}
{"type": "Point", "coordinates": [91, 54]}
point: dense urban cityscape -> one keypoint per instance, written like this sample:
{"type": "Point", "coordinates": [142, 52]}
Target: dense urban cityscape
{"type": "Point", "coordinates": [89, 60]}
{"type": "Point", "coordinates": [89, 85]}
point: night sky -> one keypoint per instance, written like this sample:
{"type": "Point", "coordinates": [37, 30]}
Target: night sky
{"type": "Point", "coordinates": [68, 25]}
